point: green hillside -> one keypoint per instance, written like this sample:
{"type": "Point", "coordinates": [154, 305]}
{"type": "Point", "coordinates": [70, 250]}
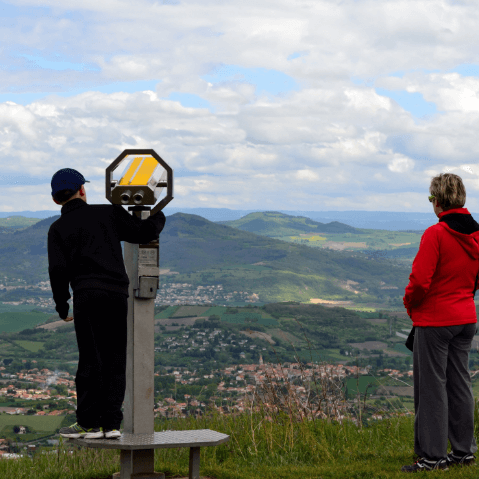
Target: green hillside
{"type": "Point", "coordinates": [335, 235]}
{"type": "Point", "coordinates": [294, 268]}
{"type": "Point", "coordinates": [20, 320]}
{"type": "Point", "coordinates": [275, 224]}
{"type": "Point", "coordinates": [16, 223]}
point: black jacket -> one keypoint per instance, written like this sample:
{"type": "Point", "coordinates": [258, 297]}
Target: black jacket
{"type": "Point", "coordinates": [84, 248]}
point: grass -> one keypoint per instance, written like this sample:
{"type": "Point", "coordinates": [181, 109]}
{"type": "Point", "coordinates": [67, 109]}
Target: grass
{"type": "Point", "coordinates": [279, 433]}
{"type": "Point", "coordinates": [260, 446]}
{"type": "Point", "coordinates": [276, 435]}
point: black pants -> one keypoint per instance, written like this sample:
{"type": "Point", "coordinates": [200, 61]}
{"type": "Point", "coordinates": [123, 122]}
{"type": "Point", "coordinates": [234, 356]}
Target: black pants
{"type": "Point", "coordinates": [100, 325]}
{"type": "Point", "coordinates": [443, 398]}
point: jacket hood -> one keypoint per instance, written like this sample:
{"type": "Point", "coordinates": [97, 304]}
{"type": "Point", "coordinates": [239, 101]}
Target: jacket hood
{"type": "Point", "coordinates": [463, 227]}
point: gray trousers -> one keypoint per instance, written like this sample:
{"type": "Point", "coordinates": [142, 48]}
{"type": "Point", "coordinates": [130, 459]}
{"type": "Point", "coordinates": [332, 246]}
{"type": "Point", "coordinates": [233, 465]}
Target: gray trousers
{"type": "Point", "coordinates": [443, 398]}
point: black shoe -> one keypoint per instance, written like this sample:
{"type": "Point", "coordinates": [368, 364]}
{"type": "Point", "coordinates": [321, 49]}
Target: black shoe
{"type": "Point", "coordinates": [460, 460]}
{"type": "Point", "coordinates": [426, 465]}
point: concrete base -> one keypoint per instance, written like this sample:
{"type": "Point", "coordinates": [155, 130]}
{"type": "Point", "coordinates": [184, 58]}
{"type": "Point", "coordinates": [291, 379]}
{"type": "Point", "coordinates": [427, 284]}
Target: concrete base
{"type": "Point", "coordinates": [142, 475]}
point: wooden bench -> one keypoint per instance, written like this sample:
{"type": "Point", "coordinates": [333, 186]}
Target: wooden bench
{"type": "Point", "coordinates": [194, 439]}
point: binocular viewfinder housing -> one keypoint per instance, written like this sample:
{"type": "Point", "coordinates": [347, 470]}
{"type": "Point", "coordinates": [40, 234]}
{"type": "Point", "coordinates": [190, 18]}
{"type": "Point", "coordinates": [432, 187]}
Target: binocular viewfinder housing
{"type": "Point", "coordinates": [142, 182]}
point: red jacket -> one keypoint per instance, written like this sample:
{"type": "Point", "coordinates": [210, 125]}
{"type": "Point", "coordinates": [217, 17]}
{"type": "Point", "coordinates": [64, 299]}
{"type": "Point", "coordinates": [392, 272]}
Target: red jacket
{"type": "Point", "coordinates": [442, 283]}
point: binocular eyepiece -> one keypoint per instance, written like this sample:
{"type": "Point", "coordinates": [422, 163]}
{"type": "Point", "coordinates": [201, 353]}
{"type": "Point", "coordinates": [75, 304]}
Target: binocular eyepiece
{"type": "Point", "coordinates": [137, 197]}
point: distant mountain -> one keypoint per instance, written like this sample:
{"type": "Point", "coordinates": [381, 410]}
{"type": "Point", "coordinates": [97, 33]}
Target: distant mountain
{"type": "Point", "coordinates": [275, 224]}
{"type": "Point", "coordinates": [384, 220]}
{"type": "Point", "coordinates": [203, 252]}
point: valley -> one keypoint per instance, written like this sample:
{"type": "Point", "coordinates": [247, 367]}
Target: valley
{"type": "Point", "coordinates": [233, 305]}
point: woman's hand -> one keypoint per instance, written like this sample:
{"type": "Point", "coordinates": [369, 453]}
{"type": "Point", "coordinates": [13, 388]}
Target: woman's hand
{"type": "Point", "coordinates": [69, 318]}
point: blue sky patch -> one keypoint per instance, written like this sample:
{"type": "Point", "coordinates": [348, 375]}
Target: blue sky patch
{"type": "Point", "coordinates": [22, 98]}
{"type": "Point", "coordinates": [397, 74]}
{"type": "Point", "coordinates": [127, 87]}
{"type": "Point", "coordinates": [271, 81]}
{"type": "Point", "coordinates": [8, 10]}
{"type": "Point", "coordinates": [59, 64]}
{"type": "Point", "coordinates": [293, 56]}
{"type": "Point", "coordinates": [466, 70]}
{"type": "Point", "coordinates": [412, 102]}
{"type": "Point", "coordinates": [190, 100]}
{"type": "Point", "coordinates": [296, 55]}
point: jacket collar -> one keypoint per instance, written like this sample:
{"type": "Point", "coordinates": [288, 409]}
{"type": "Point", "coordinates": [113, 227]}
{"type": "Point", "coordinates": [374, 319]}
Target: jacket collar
{"type": "Point", "coordinates": [463, 211]}
{"type": "Point", "coordinates": [73, 205]}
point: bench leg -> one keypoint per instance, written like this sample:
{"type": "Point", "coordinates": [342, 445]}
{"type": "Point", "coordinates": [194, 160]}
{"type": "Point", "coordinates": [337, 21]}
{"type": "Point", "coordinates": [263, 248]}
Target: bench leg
{"type": "Point", "coordinates": [138, 463]}
{"type": "Point", "coordinates": [194, 472]}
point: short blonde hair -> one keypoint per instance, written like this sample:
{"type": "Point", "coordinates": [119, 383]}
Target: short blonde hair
{"type": "Point", "coordinates": [448, 190]}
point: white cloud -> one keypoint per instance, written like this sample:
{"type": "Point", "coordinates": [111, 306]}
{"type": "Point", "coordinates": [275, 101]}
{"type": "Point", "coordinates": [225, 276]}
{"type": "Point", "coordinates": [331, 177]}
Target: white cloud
{"type": "Point", "coordinates": [330, 145]}
{"type": "Point", "coordinates": [307, 175]}
{"type": "Point", "coordinates": [401, 164]}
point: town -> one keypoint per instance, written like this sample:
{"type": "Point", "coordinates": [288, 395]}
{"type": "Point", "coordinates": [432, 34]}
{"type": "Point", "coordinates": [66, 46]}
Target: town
{"type": "Point", "coordinates": [171, 294]}
{"type": "Point", "coordinates": [234, 383]}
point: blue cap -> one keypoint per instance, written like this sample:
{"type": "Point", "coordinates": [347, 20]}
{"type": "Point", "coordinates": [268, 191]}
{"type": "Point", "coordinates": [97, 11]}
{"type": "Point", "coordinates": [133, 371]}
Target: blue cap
{"type": "Point", "coordinates": [67, 179]}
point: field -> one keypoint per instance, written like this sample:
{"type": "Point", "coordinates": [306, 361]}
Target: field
{"type": "Point", "coordinates": [370, 345]}
{"type": "Point", "coordinates": [371, 239]}
{"type": "Point", "coordinates": [167, 312]}
{"type": "Point", "coordinates": [172, 324]}
{"type": "Point", "coordinates": [33, 346]}
{"type": "Point", "coordinates": [396, 390]}
{"type": "Point", "coordinates": [19, 320]}
{"type": "Point", "coordinates": [40, 424]}
{"type": "Point", "coordinates": [259, 335]}
{"type": "Point", "coordinates": [401, 348]}
{"type": "Point", "coordinates": [248, 318]}
{"type": "Point", "coordinates": [287, 337]}
{"type": "Point", "coordinates": [362, 383]}
{"type": "Point", "coordinates": [189, 311]}
{"type": "Point", "coordinates": [53, 325]}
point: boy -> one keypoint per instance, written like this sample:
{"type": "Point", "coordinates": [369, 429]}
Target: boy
{"type": "Point", "coordinates": [84, 249]}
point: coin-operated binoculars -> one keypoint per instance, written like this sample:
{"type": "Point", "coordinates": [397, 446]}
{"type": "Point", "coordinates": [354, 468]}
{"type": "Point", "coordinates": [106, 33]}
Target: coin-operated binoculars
{"type": "Point", "coordinates": [143, 180]}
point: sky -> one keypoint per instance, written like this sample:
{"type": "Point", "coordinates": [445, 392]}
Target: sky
{"type": "Point", "coordinates": [316, 105]}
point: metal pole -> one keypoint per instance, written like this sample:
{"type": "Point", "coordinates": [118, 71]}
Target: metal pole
{"type": "Point", "coordinates": [142, 267]}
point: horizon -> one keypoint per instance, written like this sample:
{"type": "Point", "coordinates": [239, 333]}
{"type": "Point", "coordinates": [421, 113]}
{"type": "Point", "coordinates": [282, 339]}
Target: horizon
{"type": "Point", "coordinates": [390, 221]}
{"type": "Point", "coordinates": [171, 207]}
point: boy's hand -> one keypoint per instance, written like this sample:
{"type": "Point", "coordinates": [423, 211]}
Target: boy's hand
{"type": "Point", "coordinates": [69, 318]}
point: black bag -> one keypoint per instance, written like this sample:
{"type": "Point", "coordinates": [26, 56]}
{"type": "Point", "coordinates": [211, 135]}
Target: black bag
{"type": "Point", "coordinates": [410, 339]}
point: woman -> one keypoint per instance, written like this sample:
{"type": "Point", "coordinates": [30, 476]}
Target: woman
{"type": "Point", "coordinates": [440, 301]}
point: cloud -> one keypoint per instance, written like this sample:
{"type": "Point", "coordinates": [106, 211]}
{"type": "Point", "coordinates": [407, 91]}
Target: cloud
{"type": "Point", "coordinates": [401, 164]}
{"type": "Point", "coordinates": [313, 104]}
